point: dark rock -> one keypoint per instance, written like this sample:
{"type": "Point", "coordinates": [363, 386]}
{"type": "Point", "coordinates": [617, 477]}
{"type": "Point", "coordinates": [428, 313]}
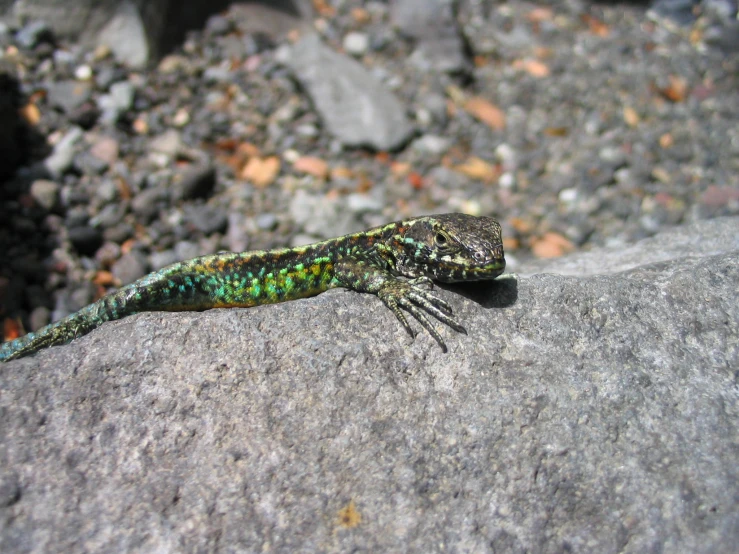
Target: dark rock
{"type": "Point", "coordinates": [12, 128]}
{"type": "Point", "coordinates": [85, 115]}
{"type": "Point", "coordinates": [37, 297]}
{"type": "Point", "coordinates": [85, 239]}
{"type": "Point", "coordinates": [197, 181]}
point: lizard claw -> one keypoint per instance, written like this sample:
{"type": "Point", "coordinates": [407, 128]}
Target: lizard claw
{"type": "Point", "coordinates": [418, 302]}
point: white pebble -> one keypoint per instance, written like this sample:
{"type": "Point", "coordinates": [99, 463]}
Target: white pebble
{"type": "Point", "coordinates": [83, 73]}
{"type": "Point", "coordinates": [356, 44]}
{"type": "Point", "coordinates": [568, 196]}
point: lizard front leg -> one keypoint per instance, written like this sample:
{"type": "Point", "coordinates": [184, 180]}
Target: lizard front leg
{"type": "Point", "coordinates": [396, 293]}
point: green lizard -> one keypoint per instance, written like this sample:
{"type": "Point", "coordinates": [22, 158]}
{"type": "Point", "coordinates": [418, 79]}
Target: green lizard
{"type": "Point", "coordinates": [447, 248]}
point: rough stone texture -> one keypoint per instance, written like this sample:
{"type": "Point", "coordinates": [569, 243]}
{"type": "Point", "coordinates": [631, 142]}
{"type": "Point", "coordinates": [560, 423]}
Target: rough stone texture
{"type": "Point", "coordinates": [355, 107]}
{"type": "Point", "coordinates": [584, 414]}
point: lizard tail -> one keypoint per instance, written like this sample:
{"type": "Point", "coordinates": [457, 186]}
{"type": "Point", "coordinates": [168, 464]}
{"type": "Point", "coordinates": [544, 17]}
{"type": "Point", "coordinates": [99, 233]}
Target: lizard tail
{"type": "Point", "coordinates": [113, 306]}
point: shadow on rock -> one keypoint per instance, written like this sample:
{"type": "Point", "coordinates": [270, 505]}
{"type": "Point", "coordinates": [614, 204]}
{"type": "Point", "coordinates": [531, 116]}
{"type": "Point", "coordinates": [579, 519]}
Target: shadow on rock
{"type": "Point", "coordinates": [500, 293]}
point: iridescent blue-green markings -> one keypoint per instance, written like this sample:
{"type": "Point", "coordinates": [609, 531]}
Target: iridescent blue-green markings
{"type": "Point", "coordinates": [447, 248]}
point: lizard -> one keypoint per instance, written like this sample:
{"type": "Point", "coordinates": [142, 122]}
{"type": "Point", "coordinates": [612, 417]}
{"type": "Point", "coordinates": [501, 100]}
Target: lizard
{"type": "Point", "coordinates": [397, 262]}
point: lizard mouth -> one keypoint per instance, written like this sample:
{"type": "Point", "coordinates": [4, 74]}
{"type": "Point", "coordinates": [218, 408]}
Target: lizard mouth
{"type": "Point", "coordinates": [452, 272]}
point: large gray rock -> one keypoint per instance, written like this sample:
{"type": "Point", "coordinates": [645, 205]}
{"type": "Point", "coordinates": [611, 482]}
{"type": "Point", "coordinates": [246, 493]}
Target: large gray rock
{"type": "Point", "coordinates": [354, 105]}
{"type": "Point", "coordinates": [585, 414]}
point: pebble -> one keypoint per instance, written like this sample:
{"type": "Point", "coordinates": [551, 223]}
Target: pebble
{"type": "Point", "coordinates": [361, 203]}
{"type": "Point", "coordinates": [356, 43]}
{"type": "Point", "coordinates": [158, 260]}
{"type": "Point", "coordinates": [119, 232]}
{"type": "Point", "coordinates": [168, 143]}
{"type": "Point", "coordinates": [64, 57]}
{"type": "Point", "coordinates": [63, 154]}
{"type": "Point", "coordinates": [69, 95]}
{"type": "Point", "coordinates": [568, 195]}
{"type": "Point", "coordinates": [146, 203]}
{"type": "Point", "coordinates": [267, 222]}
{"type": "Point", "coordinates": [88, 164]}
{"type": "Point", "coordinates": [186, 250]}
{"type": "Point", "coordinates": [108, 253]}
{"type": "Point", "coordinates": [33, 34]}
{"type": "Point", "coordinates": [109, 216]}
{"type": "Point", "coordinates": [45, 193]}
{"type": "Point", "coordinates": [106, 149]}
{"type": "Point", "coordinates": [207, 219]}
{"type": "Point", "coordinates": [117, 102]}
{"type": "Point", "coordinates": [79, 298]}
{"type": "Point", "coordinates": [237, 237]}
{"type": "Point", "coordinates": [83, 73]}
{"type": "Point", "coordinates": [431, 144]}
{"type": "Point", "coordinates": [130, 266]}
{"type": "Point", "coordinates": [39, 318]}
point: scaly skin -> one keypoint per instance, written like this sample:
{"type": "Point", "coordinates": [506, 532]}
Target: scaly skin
{"type": "Point", "coordinates": [447, 248]}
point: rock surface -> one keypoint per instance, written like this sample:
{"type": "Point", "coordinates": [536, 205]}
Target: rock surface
{"type": "Point", "coordinates": [595, 413]}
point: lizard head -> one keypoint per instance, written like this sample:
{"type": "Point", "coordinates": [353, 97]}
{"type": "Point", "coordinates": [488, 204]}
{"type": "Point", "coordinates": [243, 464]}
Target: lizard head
{"type": "Point", "coordinates": [451, 247]}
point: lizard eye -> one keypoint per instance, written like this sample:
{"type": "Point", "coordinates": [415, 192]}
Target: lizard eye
{"type": "Point", "coordinates": [440, 239]}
